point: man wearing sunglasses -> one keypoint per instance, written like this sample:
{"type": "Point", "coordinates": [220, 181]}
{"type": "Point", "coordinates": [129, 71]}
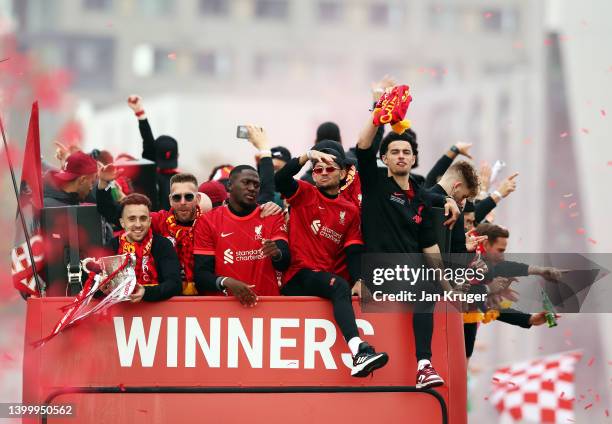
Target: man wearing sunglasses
{"type": "Point", "coordinates": [324, 231]}
{"type": "Point", "coordinates": [175, 224]}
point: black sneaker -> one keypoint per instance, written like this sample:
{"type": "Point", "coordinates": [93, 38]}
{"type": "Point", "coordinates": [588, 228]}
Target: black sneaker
{"type": "Point", "coordinates": [367, 360]}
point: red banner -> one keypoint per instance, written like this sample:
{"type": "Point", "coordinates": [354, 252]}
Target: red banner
{"type": "Point", "coordinates": [215, 342]}
{"type": "Point", "coordinates": [30, 202]}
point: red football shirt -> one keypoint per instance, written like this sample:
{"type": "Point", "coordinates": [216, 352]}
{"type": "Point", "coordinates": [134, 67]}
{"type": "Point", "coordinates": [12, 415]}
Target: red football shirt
{"type": "Point", "coordinates": [236, 243]}
{"type": "Point", "coordinates": [319, 230]}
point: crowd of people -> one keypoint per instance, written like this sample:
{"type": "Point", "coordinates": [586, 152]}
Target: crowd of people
{"type": "Point", "coordinates": [253, 231]}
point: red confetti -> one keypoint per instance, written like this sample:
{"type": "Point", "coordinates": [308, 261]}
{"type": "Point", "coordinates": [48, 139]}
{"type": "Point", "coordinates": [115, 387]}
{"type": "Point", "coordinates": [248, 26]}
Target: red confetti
{"type": "Point", "coordinates": [592, 241]}
{"type": "Point", "coordinates": [603, 112]}
{"type": "Point", "coordinates": [7, 356]}
{"type": "Point", "coordinates": [591, 361]}
{"type": "Point", "coordinates": [527, 141]}
{"type": "Point", "coordinates": [572, 205]}
{"type": "Point", "coordinates": [486, 398]}
{"type": "Point", "coordinates": [171, 56]}
{"type": "Point", "coordinates": [562, 205]}
{"type": "Point", "coordinates": [496, 379]}
{"type": "Point", "coordinates": [607, 413]}
{"type": "Point", "coordinates": [597, 397]}
{"type": "Point", "coordinates": [144, 411]}
{"type": "Point", "coordinates": [580, 231]}
{"type": "Point", "coordinates": [563, 134]}
{"type": "Point", "coordinates": [122, 387]}
{"type": "Point", "coordinates": [562, 394]}
{"type": "Point", "coordinates": [547, 42]}
{"type": "Point", "coordinates": [588, 406]}
{"type": "Point", "coordinates": [487, 15]}
{"type": "Point", "coordinates": [610, 163]}
{"type": "Point", "coordinates": [553, 183]}
{"type": "Point", "coordinates": [584, 130]}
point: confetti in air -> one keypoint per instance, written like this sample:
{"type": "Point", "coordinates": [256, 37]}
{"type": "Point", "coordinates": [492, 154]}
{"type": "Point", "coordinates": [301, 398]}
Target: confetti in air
{"type": "Point", "coordinates": [172, 56]}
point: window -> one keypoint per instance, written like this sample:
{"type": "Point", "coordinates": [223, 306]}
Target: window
{"type": "Point", "coordinates": [162, 63]}
{"type": "Point", "coordinates": [155, 7]}
{"type": "Point", "coordinates": [492, 20]}
{"type": "Point", "coordinates": [272, 9]}
{"type": "Point", "coordinates": [270, 66]}
{"type": "Point", "coordinates": [213, 64]}
{"type": "Point", "coordinates": [214, 7]}
{"type": "Point", "coordinates": [442, 17]}
{"type": "Point", "coordinates": [379, 14]}
{"type": "Point", "coordinates": [91, 59]}
{"type": "Point", "coordinates": [97, 5]}
{"type": "Point", "coordinates": [143, 60]}
{"type": "Point", "coordinates": [329, 11]}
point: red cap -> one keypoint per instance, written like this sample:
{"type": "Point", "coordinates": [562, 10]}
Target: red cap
{"type": "Point", "coordinates": [76, 165]}
{"type": "Point", "coordinates": [215, 190]}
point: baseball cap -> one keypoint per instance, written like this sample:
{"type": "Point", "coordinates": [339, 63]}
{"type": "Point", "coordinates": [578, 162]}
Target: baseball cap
{"type": "Point", "coordinates": [282, 153]}
{"type": "Point", "coordinates": [215, 191]}
{"type": "Point", "coordinates": [333, 148]}
{"type": "Point", "coordinates": [166, 152]}
{"type": "Point", "coordinates": [76, 165]}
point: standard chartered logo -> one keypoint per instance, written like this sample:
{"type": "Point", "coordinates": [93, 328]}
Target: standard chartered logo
{"type": "Point", "coordinates": [228, 256]}
{"type": "Point", "coordinates": [316, 226]}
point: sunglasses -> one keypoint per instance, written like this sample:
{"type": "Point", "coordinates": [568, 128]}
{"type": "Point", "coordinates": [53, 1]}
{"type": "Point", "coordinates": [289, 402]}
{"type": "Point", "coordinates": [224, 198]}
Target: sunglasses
{"type": "Point", "coordinates": [328, 169]}
{"type": "Point", "coordinates": [187, 196]}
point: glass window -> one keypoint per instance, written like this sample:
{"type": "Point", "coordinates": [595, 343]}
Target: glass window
{"type": "Point", "coordinates": [329, 11]}
{"type": "Point", "coordinates": [272, 9]}
{"type": "Point", "coordinates": [100, 5]}
{"type": "Point", "coordinates": [155, 7]}
{"type": "Point", "coordinates": [142, 60]}
{"type": "Point", "coordinates": [214, 7]}
{"type": "Point", "coordinates": [379, 14]}
{"type": "Point", "coordinates": [213, 64]}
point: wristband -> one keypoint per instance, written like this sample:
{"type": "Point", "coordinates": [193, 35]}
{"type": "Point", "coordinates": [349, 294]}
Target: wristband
{"type": "Point", "coordinates": [139, 113]}
{"type": "Point", "coordinates": [309, 154]}
{"type": "Point", "coordinates": [498, 194]}
{"type": "Point", "coordinates": [265, 152]}
{"type": "Point", "coordinates": [454, 149]}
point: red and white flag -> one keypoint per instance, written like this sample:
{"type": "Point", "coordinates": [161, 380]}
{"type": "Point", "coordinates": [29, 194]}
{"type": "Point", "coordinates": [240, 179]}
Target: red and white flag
{"type": "Point", "coordinates": [540, 391]}
{"type": "Point", "coordinates": [31, 202]}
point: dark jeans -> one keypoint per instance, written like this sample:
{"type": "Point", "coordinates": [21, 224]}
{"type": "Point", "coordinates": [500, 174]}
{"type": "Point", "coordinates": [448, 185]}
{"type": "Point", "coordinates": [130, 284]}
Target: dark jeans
{"type": "Point", "coordinates": [329, 286]}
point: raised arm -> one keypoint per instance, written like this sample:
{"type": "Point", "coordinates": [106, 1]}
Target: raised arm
{"type": "Point", "coordinates": [148, 141]}
{"type": "Point", "coordinates": [259, 139]}
{"type": "Point", "coordinates": [285, 183]}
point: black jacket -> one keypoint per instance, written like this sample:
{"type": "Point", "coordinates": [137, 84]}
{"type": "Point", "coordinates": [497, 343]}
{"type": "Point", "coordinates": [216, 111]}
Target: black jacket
{"type": "Point", "coordinates": [168, 269]}
{"type": "Point", "coordinates": [54, 196]}
{"type": "Point", "coordinates": [163, 178]}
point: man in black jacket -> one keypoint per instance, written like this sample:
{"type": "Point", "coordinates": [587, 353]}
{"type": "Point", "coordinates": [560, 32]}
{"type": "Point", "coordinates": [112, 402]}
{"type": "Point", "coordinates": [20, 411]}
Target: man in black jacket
{"type": "Point", "coordinates": [162, 150]}
{"type": "Point", "coordinates": [157, 265]}
{"type": "Point", "coordinates": [494, 247]}
{"type": "Point", "coordinates": [72, 184]}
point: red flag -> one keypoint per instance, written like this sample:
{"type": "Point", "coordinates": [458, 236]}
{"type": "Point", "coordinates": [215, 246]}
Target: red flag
{"type": "Point", "coordinates": [31, 202]}
{"type": "Point", "coordinates": [540, 391]}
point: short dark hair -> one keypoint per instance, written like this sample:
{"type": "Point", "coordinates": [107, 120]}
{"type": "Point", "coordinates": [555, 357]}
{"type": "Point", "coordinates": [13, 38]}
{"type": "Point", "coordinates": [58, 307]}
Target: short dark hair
{"type": "Point", "coordinates": [183, 177]}
{"type": "Point", "coordinates": [468, 173]}
{"type": "Point", "coordinates": [492, 231]}
{"type": "Point", "coordinates": [409, 136]}
{"type": "Point", "coordinates": [134, 199]}
{"type": "Point", "coordinates": [238, 169]}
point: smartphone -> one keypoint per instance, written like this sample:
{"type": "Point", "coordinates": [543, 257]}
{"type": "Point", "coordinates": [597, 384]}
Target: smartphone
{"type": "Point", "coordinates": [242, 131]}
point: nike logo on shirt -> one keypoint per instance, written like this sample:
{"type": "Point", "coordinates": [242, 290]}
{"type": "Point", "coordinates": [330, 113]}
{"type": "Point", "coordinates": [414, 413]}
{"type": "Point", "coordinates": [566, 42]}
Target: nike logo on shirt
{"type": "Point", "coordinates": [226, 234]}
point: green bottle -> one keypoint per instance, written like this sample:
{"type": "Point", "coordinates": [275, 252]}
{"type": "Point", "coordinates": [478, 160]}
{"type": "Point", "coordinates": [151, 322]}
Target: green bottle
{"type": "Point", "coordinates": [550, 310]}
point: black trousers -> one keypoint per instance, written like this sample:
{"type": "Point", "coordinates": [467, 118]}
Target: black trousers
{"type": "Point", "coordinates": [469, 335]}
{"type": "Point", "coordinates": [329, 286]}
